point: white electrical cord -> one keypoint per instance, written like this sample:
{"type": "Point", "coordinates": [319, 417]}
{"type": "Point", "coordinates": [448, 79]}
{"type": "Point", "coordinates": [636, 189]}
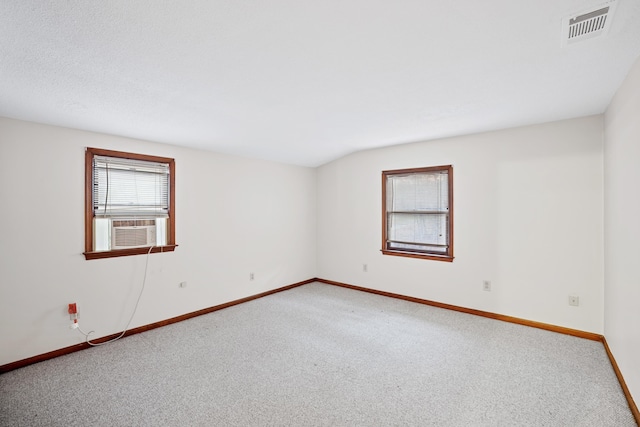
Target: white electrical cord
{"type": "Point", "coordinates": [144, 281]}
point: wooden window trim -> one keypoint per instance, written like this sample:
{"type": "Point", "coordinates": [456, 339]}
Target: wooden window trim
{"type": "Point", "coordinates": [448, 257]}
{"type": "Point", "coordinates": [89, 253]}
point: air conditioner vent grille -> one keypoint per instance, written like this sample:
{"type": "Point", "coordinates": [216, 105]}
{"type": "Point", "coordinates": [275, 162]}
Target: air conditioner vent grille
{"type": "Point", "coordinates": [586, 25]}
{"type": "Point", "coordinates": [128, 237]}
{"type": "Point", "coordinates": [131, 233]}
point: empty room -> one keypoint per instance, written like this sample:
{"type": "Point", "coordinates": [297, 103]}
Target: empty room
{"type": "Point", "coordinates": [319, 213]}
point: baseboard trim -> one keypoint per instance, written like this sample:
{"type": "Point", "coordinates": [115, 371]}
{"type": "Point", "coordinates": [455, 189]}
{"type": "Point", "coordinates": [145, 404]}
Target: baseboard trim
{"type": "Point", "coordinates": [623, 384]}
{"type": "Point", "coordinates": [510, 319]}
{"type": "Point", "coordinates": [82, 346]}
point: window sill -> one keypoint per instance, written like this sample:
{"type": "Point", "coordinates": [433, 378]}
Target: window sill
{"type": "Point", "coordinates": [433, 257]}
{"type": "Point", "coordinates": [127, 252]}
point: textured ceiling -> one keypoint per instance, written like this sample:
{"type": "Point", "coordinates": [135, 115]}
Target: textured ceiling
{"type": "Point", "coordinates": [305, 82]}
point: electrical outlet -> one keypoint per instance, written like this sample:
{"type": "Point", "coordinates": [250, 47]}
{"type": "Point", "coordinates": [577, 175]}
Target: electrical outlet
{"type": "Point", "coordinates": [73, 315]}
{"type": "Point", "coordinates": [574, 300]}
{"type": "Point", "coordinates": [251, 276]}
{"type": "Point", "coordinates": [183, 284]}
{"type": "Point", "coordinates": [486, 286]}
{"type": "Point", "coordinates": [365, 268]}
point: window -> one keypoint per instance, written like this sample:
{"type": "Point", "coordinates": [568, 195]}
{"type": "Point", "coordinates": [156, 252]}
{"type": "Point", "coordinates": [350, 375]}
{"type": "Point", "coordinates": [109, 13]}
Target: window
{"type": "Point", "coordinates": [417, 207]}
{"type": "Point", "coordinates": [129, 204]}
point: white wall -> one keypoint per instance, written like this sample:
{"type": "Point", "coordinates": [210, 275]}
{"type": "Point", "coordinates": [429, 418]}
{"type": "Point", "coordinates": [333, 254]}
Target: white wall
{"type": "Point", "coordinates": [527, 216]}
{"type": "Point", "coordinates": [622, 228]}
{"type": "Point", "coordinates": [234, 216]}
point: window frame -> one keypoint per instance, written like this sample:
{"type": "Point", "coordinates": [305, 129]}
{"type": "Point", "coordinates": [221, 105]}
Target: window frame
{"type": "Point", "coordinates": [89, 252]}
{"type": "Point", "coordinates": [386, 250]}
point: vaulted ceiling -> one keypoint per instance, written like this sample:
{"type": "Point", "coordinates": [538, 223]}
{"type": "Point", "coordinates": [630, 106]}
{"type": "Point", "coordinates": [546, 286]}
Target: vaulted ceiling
{"type": "Point", "coordinates": [305, 82]}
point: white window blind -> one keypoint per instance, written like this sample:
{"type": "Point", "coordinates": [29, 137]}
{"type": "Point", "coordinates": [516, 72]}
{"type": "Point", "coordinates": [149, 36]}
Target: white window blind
{"type": "Point", "coordinates": [130, 188]}
{"type": "Point", "coordinates": [418, 212]}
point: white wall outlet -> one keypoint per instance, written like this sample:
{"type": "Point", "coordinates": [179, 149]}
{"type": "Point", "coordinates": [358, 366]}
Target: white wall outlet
{"type": "Point", "coordinates": [365, 268]}
{"type": "Point", "coordinates": [486, 285]}
{"type": "Point", "coordinates": [574, 300]}
{"type": "Point", "coordinates": [183, 284]}
{"type": "Point", "coordinates": [251, 276]}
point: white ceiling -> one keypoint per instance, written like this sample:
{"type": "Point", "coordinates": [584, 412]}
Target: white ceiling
{"type": "Point", "coordinates": [305, 82]}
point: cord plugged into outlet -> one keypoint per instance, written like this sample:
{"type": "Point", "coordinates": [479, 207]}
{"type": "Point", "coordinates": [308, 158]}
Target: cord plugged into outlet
{"type": "Point", "coordinates": [126, 328]}
{"type": "Point", "coordinates": [73, 315]}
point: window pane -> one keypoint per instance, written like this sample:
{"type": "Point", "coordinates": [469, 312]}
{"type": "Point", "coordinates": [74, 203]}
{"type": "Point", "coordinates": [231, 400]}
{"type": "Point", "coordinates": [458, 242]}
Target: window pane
{"type": "Point", "coordinates": [103, 231]}
{"type": "Point", "coordinates": [418, 228]}
{"type": "Point", "coordinates": [130, 188]}
{"type": "Point", "coordinates": [161, 231]}
{"type": "Point", "coordinates": [102, 234]}
{"type": "Point", "coordinates": [418, 192]}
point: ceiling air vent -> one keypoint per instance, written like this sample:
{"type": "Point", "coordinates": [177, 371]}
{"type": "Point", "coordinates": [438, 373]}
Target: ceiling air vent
{"type": "Point", "coordinates": [588, 24]}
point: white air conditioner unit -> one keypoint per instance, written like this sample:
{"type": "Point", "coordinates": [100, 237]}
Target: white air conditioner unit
{"type": "Point", "coordinates": [133, 233]}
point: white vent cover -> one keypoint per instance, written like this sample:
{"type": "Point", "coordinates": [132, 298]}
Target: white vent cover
{"type": "Point", "coordinates": [132, 233]}
{"type": "Point", "coordinates": [591, 23]}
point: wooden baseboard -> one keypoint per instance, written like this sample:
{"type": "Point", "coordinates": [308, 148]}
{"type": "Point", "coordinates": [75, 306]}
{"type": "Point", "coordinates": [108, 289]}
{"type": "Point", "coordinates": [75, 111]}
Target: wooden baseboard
{"type": "Point", "coordinates": [510, 319]}
{"type": "Point", "coordinates": [82, 346]}
{"type": "Point", "coordinates": [623, 384]}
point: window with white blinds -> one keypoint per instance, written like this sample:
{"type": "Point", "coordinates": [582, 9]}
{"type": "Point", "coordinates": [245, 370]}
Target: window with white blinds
{"type": "Point", "coordinates": [418, 212]}
{"type": "Point", "coordinates": [129, 204]}
{"type": "Point", "coordinates": [130, 188]}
